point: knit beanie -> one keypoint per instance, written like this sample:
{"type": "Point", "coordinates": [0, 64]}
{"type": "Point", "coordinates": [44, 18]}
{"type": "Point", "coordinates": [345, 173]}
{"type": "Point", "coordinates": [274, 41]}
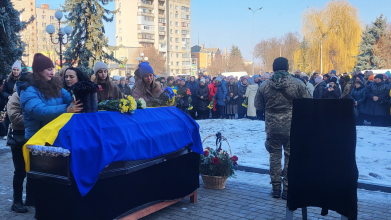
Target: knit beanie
{"type": "Point", "coordinates": [318, 79]}
{"type": "Point", "coordinates": [379, 76]}
{"type": "Point", "coordinates": [388, 74]}
{"type": "Point", "coordinates": [251, 81]}
{"type": "Point", "coordinates": [266, 76]}
{"type": "Point", "coordinates": [18, 65]}
{"type": "Point", "coordinates": [280, 63]}
{"type": "Point", "coordinates": [333, 71]}
{"type": "Point", "coordinates": [41, 62]}
{"type": "Point", "coordinates": [303, 74]}
{"type": "Point", "coordinates": [183, 79]}
{"type": "Point", "coordinates": [333, 79]}
{"type": "Point", "coordinates": [100, 65]}
{"type": "Point", "coordinates": [202, 80]}
{"type": "Point", "coordinates": [132, 80]}
{"type": "Point", "coordinates": [116, 78]}
{"type": "Point", "coordinates": [371, 77]}
{"type": "Point", "coordinates": [144, 69]}
{"type": "Point", "coordinates": [306, 78]}
{"type": "Point", "coordinates": [385, 76]}
{"type": "Point", "coordinates": [219, 79]}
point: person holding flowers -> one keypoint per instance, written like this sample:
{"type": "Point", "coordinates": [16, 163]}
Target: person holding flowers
{"type": "Point", "coordinates": [241, 97]}
{"type": "Point", "coordinates": [170, 82]}
{"type": "Point", "coordinates": [109, 90]}
{"type": "Point", "coordinates": [146, 88]}
{"type": "Point", "coordinates": [202, 93]}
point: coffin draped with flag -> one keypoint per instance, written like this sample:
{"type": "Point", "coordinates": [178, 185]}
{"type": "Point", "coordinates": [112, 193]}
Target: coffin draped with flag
{"type": "Point", "coordinates": [154, 151]}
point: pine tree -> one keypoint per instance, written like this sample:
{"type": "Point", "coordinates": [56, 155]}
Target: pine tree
{"type": "Point", "coordinates": [88, 43]}
{"type": "Point", "coordinates": [11, 44]}
{"type": "Point", "coordinates": [235, 60]}
{"type": "Point", "coordinates": [367, 60]}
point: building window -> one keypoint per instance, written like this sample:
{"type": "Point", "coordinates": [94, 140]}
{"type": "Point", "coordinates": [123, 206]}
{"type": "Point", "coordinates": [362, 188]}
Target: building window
{"type": "Point", "coordinates": [177, 63]}
{"type": "Point", "coordinates": [172, 63]}
{"type": "Point", "coordinates": [119, 13]}
{"type": "Point", "coordinates": [177, 24]}
{"type": "Point", "coordinates": [176, 16]}
{"type": "Point", "coordinates": [177, 55]}
{"type": "Point", "coordinates": [162, 20]}
{"type": "Point", "coordinates": [120, 30]}
{"type": "Point", "coordinates": [170, 39]}
{"type": "Point", "coordinates": [176, 8]}
{"type": "Point", "coordinates": [43, 31]}
{"type": "Point", "coordinates": [176, 31]}
{"type": "Point", "coordinates": [172, 55]}
{"type": "Point", "coordinates": [51, 17]}
{"type": "Point", "coordinates": [171, 15]}
{"type": "Point", "coordinates": [43, 16]}
{"type": "Point", "coordinates": [119, 21]}
{"type": "Point", "coordinates": [119, 5]}
{"type": "Point", "coordinates": [120, 39]}
{"type": "Point", "coordinates": [177, 72]}
{"type": "Point", "coordinates": [170, 6]}
{"type": "Point", "coordinates": [172, 47]}
{"type": "Point", "coordinates": [170, 22]}
{"type": "Point", "coordinates": [43, 24]}
{"type": "Point", "coordinates": [177, 48]}
{"type": "Point", "coordinates": [177, 40]}
{"type": "Point", "coordinates": [171, 31]}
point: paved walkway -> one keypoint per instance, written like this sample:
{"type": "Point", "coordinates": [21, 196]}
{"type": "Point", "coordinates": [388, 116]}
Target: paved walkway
{"type": "Point", "coordinates": [246, 197]}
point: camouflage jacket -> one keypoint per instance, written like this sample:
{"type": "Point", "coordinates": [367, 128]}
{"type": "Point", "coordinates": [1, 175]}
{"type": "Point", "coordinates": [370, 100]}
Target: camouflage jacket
{"type": "Point", "coordinates": [278, 110]}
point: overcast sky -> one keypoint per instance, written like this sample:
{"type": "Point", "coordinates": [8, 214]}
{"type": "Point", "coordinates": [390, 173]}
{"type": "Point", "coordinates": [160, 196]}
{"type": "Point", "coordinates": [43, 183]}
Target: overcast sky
{"type": "Point", "coordinates": [223, 23]}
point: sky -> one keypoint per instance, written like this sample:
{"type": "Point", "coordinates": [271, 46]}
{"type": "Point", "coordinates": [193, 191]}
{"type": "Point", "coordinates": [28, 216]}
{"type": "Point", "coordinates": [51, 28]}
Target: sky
{"type": "Point", "coordinates": [223, 23]}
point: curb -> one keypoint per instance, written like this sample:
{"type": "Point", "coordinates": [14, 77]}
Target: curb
{"type": "Point", "coordinates": [360, 184]}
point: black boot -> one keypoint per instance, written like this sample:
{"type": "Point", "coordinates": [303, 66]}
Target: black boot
{"type": "Point", "coordinates": [284, 194]}
{"type": "Point", "coordinates": [19, 207]}
{"type": "Point", "coordinates": [276, 193]}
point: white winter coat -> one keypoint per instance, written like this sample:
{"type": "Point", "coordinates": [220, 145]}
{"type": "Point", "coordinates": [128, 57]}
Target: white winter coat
{"type": "Point", "coordinates": [310, 89]}
{"type": "Point", "coordinates": [250, 93]}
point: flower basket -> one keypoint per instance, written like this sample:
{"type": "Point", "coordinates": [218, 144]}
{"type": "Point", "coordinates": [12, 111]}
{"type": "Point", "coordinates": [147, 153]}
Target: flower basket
{"type": "Point", "coordinates": [217, 165]}
{"type": "Point", "coordinates": [214, 182]}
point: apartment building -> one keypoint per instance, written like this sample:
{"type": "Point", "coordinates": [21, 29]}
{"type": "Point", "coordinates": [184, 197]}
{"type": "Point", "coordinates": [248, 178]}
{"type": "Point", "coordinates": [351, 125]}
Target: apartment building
{"type": "Point", "coordinates": [35, 36]}
{"type": "Point", "coordinates": [206, 56]}
{"type": "Point", "coordinates": [163, 24]}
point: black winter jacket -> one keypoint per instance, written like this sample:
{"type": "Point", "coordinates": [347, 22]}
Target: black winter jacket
{"type": "Point", "coordinates": [202, 104]}
{"type": "Point", "coordinates": [319, 90]}
{"type": "Point", "coordinates": [335, 94]}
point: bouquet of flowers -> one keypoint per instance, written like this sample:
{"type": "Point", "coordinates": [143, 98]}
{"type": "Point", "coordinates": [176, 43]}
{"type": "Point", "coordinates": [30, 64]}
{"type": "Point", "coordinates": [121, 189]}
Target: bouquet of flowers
{"type": "Point", "coordinates": [85, 91]}
{"type": "Point", "coordinates": [210, 106]}
{"type": "Point", "coordinates": [141, 104]}
{"type": "Point", "coordinates": [245, 102]}
{"type": "Point", "coordinates": [186, 92]}
{"type": "Point", "coordinates": [127, 105]}
{"type": "Point", "coordinates": [167, 98]}
{"type": "Point", "coordinates": [217, 163]}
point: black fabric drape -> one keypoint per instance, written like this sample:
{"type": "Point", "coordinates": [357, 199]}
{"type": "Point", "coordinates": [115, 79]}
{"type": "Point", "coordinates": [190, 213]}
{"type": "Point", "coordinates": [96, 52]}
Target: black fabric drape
{"type": "Point", "coordinates": [322, 168]}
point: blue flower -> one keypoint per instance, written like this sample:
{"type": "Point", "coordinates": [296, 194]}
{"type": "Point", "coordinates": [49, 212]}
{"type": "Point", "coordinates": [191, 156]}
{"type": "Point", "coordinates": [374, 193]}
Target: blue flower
{"type": "Point", "coordinates": [169, 92]}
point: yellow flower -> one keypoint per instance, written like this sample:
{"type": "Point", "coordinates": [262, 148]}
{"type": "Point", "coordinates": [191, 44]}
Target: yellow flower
{"type": "Point", "coordinates": [175, 91]}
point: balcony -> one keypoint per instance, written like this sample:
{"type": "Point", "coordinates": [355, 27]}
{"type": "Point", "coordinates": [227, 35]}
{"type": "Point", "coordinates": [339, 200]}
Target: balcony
{"type": "Point", "coordinates": [185, 28]}
{"type": "Point", "coordinates": [162, 16]}
{"type": "Point", "coordinates": [140, 4]}
{"type": "Point", "coordinates": [186, 59]}
{"type": "Point", "coordinates": [162, 42]}
{"type": "Point", "coordinates": [145, 14]}
{"type": "Point", "coordinates": [162, 7]}
{"type": "Point", "coordinates": [162, 33]}
{"type": "Point", "coordinates": [146, 31]}
{"type": "Point", "coordinates": [146, 40]}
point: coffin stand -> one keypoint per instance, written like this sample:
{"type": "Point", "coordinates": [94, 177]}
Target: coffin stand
{"type": "Point", "coordinates": [125, 189]}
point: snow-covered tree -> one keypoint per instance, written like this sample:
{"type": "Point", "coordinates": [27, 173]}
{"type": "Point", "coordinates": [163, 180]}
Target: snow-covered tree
{"type": "Point", "coordinates": [367, 60]}
{"type": "Point", "coordinates": [11, 44]}
{"type": "Point", "coordinates": [88, 41]}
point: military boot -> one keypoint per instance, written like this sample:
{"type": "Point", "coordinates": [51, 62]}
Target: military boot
{"type": "Point", "coordinates": [276, 190]}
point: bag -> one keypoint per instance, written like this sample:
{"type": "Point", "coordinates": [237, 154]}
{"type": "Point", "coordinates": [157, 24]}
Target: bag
{"type": "Point", "coordinates": [16, 138]}
{"type": "Point", "coordinates": [356, 112]}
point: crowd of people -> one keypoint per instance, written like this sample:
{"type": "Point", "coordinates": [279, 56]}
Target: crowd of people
{"type": "Point", "coordinates": [32, 100]}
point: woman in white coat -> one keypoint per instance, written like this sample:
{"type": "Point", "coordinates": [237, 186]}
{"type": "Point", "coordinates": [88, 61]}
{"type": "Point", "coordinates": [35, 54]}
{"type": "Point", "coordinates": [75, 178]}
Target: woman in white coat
{"type": "Point", "coordinates": [250, 94]}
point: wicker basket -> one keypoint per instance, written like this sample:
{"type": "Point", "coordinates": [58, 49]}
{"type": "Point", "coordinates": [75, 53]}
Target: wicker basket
{"type": "Point", "coordinates": [214, 182]}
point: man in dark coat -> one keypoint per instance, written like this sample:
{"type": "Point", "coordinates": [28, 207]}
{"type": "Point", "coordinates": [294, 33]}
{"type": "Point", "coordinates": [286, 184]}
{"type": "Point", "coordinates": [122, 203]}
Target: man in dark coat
{"type": "Point", "coordinates": [192, 85]}
{"type": "Point", "coordinates": [332, 92]}
{"type": "Point", "coordinates": [241, 97]}
{"type": "Point", "coordinates": [125, 89]}
{"type": "Point", "coordinates": [377, 104]}
{"type": "Point", "coordinates": [275, 96]}
{"type": "Point", "coordinates": [313, 77]}
{"type": "Point", "coordinates": [320, 86]}
{"type": "Point", "coordinates": [202, 93]}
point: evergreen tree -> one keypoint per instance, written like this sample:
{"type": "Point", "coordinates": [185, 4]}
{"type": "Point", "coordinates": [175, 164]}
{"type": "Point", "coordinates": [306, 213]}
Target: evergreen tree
{"type": "Point", "coordinates": [88, 43]}
{"type": "Point", "coordinates": [367, 60]}
{"type": "Point", "coordinates": [235, 60]}
{"type": "Point", "coordinates": [11, 45]}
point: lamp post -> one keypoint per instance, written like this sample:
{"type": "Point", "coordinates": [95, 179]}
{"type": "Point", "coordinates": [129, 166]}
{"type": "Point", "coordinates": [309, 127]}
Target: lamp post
{"type": "Point", "coordinates": [50, 29]}
{"type": "Point", "coordinates": [253, 34]}
{"type": "Point", "coordinates": [321, 55]}
{"type": "Point", "coordinates": [141, 57]}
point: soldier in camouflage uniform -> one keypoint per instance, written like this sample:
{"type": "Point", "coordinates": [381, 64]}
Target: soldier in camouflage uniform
{"type": "Point", "coordinates": [275, 97]}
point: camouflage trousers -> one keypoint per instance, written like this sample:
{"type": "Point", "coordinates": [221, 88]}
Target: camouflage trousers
{"type": "Point", "coordinates": [277, 174]}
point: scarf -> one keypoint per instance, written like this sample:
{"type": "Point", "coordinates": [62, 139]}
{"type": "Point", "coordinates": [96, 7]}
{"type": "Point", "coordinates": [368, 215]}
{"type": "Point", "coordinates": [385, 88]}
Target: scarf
{"type": "Point", "coordinates": [279, 74]}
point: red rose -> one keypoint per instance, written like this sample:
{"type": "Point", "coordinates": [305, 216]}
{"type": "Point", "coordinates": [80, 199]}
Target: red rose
{"type": "Point", "coordinates": [100, 88]}
{"type": "Point", "coordinates": [215, 160]}
{"type": "Point", "coordinates": [206, 153]}
{"type": "Point", "coordinates": [188, 91]}
{"type": "Point", "coordinates": [235, 163]}
{"type": "Point", "coordinates": [234, 158]}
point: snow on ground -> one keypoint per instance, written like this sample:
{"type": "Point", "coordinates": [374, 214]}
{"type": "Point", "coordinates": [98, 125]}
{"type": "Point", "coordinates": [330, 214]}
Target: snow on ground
{"type": "Point", "coordinates": [247, 138]}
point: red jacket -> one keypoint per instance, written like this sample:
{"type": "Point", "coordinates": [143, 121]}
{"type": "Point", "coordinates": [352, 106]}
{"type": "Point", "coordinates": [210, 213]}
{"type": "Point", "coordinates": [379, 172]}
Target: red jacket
{"type": "Point", "coordinates": [212, 91]}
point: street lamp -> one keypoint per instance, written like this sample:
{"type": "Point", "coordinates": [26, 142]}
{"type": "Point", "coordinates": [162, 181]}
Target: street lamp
{"type": "Point", "coordinates": [50, 29]}
{"type": "Point", "coordinates": [321, 56]}
{"type": "Point", "coordinates": [141, 57]}
{"type": "Point", "coordinates": [253, 34]}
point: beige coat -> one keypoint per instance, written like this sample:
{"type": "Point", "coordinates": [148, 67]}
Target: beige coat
{"type": "Point", "coordinates": [15, 112]}
{"type": "Point", "coordinates": [250, 94]}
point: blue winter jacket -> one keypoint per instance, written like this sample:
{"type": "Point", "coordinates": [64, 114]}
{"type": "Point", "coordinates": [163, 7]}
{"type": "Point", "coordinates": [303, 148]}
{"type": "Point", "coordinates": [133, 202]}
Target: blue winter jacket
{"type": "Point", "coordinates": [38, 111]}
{"type": "Point", "coordinates": [221, 93]}
{"type": "Point", "coordinates": [359, 96]}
